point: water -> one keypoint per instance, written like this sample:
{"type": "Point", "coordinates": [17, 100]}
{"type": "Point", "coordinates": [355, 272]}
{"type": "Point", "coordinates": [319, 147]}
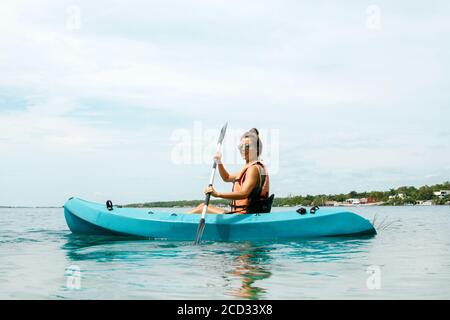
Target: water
{"type": "Point", "coordinates": [409, 259]}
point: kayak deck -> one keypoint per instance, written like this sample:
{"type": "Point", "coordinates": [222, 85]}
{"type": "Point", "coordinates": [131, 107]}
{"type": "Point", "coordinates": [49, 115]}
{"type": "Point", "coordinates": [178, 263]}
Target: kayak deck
{"type": "Point", "coordinates": [84, 217]}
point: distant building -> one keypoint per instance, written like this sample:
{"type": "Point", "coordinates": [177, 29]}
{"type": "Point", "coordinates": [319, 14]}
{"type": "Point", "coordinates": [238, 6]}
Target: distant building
{"type": "Point", "coordinates": [398, 196]}
{"type": "Point", "coordinates": [331, 203]}
{"type": "Point", "coordinates": [442, 194]}
{"type": "Point", "coordinates": [424, 203]}
{"type": "Point", "coordinates": [368, 200]}
{"type": "Point", "coordinates": [353, 201]}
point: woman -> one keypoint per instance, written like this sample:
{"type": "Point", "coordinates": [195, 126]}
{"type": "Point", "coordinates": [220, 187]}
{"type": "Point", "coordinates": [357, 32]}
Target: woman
{"type": "Point", "coordinates": [250, 192]}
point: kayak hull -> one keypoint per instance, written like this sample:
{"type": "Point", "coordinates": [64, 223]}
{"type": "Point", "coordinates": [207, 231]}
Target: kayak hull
{"type": "Point", "coordinates": [89, 218]}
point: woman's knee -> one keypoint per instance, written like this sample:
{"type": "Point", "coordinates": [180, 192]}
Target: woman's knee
{"type": "Point", "coordinates": [197, 209]}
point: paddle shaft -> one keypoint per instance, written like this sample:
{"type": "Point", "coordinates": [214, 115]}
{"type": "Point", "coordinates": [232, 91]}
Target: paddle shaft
{"type": "Point", "coordinates": [202, 224]}
{"type": "Point", "coordinates": [211, 183]}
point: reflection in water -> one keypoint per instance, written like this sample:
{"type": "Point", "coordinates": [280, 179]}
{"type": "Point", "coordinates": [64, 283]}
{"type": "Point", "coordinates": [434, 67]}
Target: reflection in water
{"type": "Point", "coordinates": [75, 242]}
{"type": "Point", "coordinates": [249, 263]}
{"type": "Point", "coordinates": [113, 248]}
{"type": "Point", "coordinates": [253, 262]}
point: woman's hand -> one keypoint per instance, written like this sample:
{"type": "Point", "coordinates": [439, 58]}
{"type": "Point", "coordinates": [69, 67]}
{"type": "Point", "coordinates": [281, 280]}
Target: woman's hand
{"type": "Point", "coordinates": [213, 192]}
{"type": "Point", "coordinates": [218, 157]}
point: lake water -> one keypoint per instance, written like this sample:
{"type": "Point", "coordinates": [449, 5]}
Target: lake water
{"type": "Point", "coordinates": [408, 259]}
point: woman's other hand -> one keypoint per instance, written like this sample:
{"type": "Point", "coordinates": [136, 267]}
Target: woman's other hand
{"type": "Point", "coordinates": [218, 157]}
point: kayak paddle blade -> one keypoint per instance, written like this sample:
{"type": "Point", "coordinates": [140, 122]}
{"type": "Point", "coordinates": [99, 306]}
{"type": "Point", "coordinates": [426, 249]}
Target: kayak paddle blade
{"type": "Point", "coordinates": [222, 133]}
{"type": "Point", "coordinates": [201, 228]}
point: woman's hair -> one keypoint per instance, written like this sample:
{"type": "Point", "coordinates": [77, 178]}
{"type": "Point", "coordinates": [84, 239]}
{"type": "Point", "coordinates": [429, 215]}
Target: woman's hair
{"type": "Point", "coordinates": [253, 135]}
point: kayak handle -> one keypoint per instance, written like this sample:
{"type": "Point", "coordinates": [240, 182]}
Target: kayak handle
{"type": "Point", "coordinates": [314, 209]}
{"type": "Point", "coordinates": [302, 211]}
{"type": "Point", "coordinates": [109, 205]}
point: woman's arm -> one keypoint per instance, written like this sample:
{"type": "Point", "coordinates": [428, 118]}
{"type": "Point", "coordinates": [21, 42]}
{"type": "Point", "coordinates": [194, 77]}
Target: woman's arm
{"type": "Point", "coordinates": [227, 177]}
{"type": "Point", "coordinates": [251, 181]}
{"type": "Point", "coordinates": [223, 172]}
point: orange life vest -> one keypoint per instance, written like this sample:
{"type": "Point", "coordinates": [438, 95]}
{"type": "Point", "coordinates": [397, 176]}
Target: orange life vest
{"type": "Point", "coordinates": [260, 192]}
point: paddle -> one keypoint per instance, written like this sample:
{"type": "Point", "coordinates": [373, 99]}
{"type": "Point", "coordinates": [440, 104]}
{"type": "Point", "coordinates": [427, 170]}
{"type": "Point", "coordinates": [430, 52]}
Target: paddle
{"type": "Point", "coordinates": [201, 226]}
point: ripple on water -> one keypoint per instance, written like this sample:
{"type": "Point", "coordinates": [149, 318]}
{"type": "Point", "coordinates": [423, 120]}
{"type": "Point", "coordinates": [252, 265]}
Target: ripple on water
{"type": "Point", "coordinates": [11, 239]}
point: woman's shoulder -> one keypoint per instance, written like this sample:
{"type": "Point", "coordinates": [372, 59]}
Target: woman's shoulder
{"type": "Point", "coordinates": [253, 169]}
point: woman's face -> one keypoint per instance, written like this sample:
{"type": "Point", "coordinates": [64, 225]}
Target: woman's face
{"type": "Point", "coordinates": [247, 149]}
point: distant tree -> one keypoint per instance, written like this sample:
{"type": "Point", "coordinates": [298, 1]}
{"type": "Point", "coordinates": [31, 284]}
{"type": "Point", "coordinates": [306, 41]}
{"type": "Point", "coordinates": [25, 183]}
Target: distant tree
{"type": "Point", "coordinates": [425, 193]}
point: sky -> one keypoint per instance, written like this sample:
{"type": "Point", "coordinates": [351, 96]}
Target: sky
{"type": "Point", "coordinates": [124, 100]}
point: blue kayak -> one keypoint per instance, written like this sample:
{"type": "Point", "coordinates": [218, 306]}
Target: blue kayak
{"type": "Point", "coordinates": [84, 217]}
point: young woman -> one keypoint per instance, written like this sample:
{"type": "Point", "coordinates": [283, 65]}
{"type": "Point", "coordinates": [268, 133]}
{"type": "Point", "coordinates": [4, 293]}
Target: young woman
{"type": "Point", "coordinates": [250, 185]}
